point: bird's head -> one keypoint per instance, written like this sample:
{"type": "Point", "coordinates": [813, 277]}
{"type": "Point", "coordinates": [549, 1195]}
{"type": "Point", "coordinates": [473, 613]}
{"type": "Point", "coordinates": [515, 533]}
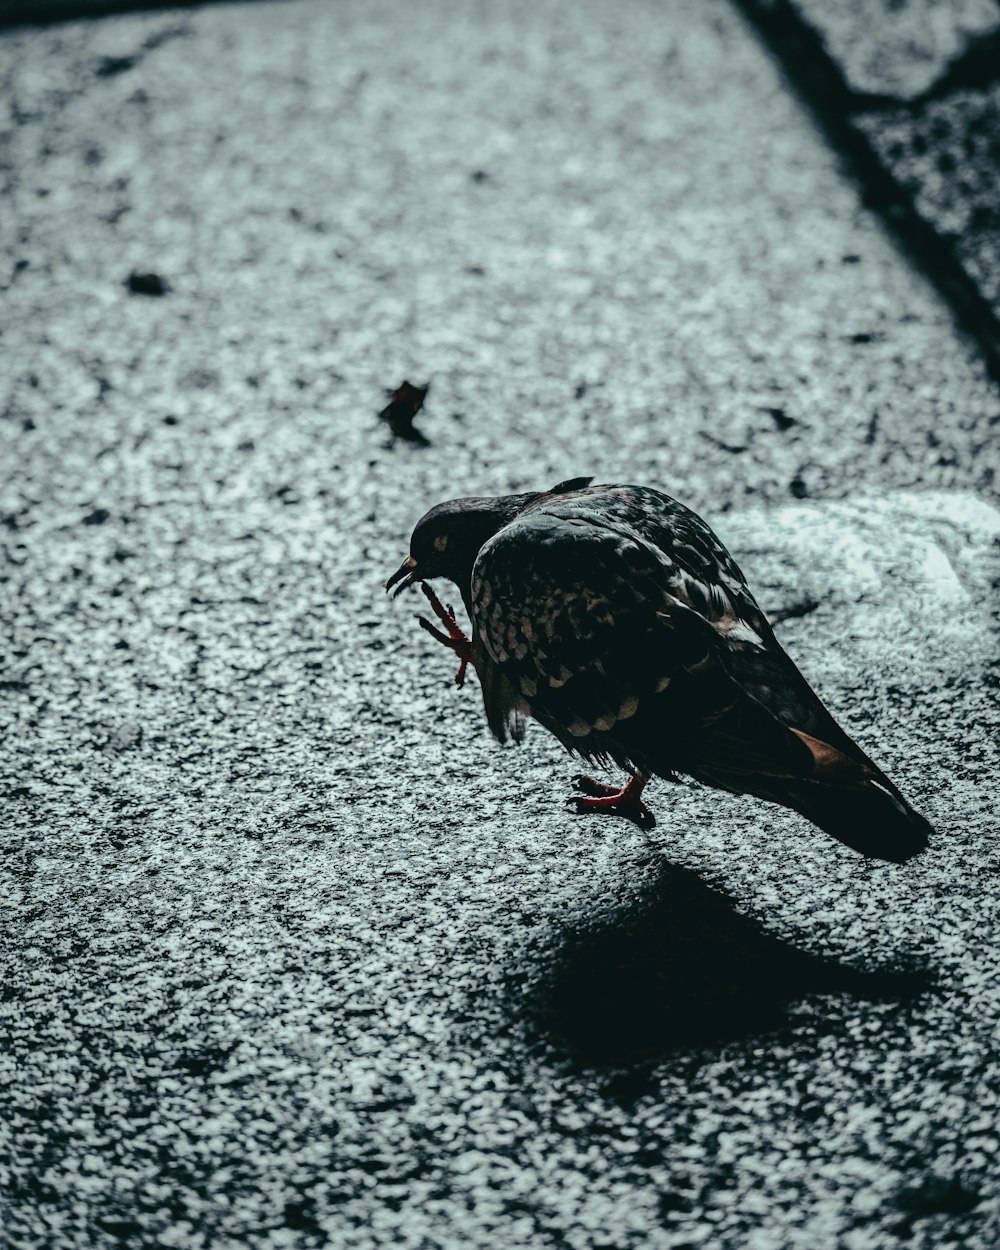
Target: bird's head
{"type": "Point", "coordinates": [446, 540]}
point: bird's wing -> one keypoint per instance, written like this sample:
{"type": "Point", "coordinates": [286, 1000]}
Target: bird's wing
{"type": "Point", "coordinates": [597, 633]}
{"type": "Point", "coordinates": [707, 579]}
{"type": "Point", "coordinates": [701, 560]}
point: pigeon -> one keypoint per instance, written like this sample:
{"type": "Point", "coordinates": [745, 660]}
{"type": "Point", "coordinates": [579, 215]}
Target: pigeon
{"type": "Point", "coordinates": [615, 617]}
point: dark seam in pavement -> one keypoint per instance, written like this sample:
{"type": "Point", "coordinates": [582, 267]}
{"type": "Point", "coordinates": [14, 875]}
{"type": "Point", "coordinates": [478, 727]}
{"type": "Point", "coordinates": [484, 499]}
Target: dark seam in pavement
{"type": "Point", "coordinates": [817, 80]}
{"type": "Point", "coordinates": [41, 14]}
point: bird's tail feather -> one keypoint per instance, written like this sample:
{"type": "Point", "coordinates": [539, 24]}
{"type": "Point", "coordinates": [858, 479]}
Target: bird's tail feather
{"type": "Point", "coordinates": [852, 801]}
{"type": "Point", "coordinates": [857, 804]}
{"type": "Point", "coordinates": [865, 817]}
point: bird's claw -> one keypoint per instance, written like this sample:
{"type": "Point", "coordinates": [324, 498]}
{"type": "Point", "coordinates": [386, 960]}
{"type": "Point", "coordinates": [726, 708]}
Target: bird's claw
{"type": "Point", "coordinates": [455, 639]}
{"type": "Point", "coordinates": [614, 800]}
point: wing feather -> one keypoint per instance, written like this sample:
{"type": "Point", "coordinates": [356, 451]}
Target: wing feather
{"type": "Point", "coordinates": [589, 626]}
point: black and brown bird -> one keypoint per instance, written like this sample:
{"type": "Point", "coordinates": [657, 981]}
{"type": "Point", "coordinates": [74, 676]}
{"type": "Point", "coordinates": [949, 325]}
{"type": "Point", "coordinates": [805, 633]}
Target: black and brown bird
{"type": "Point", "coordinates": [615, 617]}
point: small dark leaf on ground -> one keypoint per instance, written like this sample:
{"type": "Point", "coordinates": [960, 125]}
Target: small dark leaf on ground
{"type": "Point", "coordinates": [147, 284]}
{"type": "Point", "coordinates": [404, 404]}
{"type": "Point", "coordinates": [780, 418]}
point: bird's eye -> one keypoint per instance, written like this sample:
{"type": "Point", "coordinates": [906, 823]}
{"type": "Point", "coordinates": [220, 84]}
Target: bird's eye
{"type": "Point", "coordinates": [440, 542]}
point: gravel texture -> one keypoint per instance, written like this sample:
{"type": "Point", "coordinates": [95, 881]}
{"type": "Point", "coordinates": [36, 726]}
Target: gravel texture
{"type": "Point", "coordinates": [293, 954]}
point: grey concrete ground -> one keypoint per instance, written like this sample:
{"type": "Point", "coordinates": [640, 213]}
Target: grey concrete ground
{"type": "Point", "coordinates": [293, 954]}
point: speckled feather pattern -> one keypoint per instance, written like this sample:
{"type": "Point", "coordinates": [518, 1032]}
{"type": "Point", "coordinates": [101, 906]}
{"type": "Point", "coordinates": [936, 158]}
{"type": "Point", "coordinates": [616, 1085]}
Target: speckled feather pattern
{"type": "Point", "coordinates": [578, 607]}
{"type": "Point", "coordinates": [592, 604]}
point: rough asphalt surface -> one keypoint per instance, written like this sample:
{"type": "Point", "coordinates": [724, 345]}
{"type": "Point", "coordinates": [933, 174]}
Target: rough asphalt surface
{"type": "Point", "coordinates": [293, 954]}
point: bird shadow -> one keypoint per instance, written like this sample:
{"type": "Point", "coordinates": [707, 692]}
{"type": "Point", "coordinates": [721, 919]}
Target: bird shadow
{"type": "Point", "coordinates": [683, 969]}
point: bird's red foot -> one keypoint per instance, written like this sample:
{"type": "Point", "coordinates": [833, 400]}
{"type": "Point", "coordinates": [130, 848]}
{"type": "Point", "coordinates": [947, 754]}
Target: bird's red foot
{"type": "Point", "coordinates": [455, 639]}
{"type": "Point", "coordinates": [618, 801]}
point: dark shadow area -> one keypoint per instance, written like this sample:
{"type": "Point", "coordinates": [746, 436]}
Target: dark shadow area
{"type": "Point", "coordinates": [686, 969]}
{"type": "Point", "coordinates": [50, 12]}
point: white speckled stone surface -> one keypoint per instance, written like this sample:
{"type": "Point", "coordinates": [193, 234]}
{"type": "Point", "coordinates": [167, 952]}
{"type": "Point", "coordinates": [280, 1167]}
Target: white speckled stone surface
{"type": "Point", "coordinates": [292, 954]}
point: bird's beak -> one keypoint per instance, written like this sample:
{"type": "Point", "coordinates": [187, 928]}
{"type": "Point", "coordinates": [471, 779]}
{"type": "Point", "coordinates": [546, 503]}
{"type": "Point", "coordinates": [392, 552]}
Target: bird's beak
{"type": "Point", "coordinates": [406, 575]}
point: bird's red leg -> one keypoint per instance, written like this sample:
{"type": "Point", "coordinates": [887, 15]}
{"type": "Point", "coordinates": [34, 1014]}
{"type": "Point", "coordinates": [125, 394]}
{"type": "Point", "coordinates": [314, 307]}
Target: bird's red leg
{"type": "Point", "coordinates": [455, 639]}
{"type": "Point", "coordinates": [619, 801]}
